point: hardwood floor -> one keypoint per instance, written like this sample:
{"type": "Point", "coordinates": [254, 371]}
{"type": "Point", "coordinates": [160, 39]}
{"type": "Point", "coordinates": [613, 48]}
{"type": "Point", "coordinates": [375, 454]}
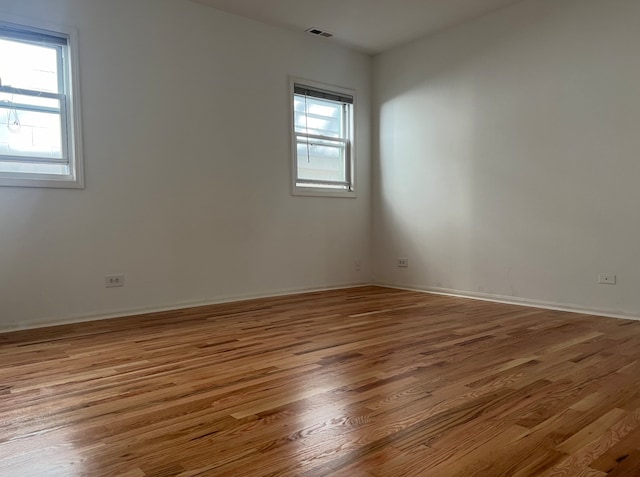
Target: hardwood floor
{"type": "Point", "coordinates": [359, 382]}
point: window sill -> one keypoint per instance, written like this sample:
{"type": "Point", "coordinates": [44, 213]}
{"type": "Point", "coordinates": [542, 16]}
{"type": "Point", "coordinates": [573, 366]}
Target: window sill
{"type": "Point", "coordinates": [51, 182]}
{"type": "Point", "coordinates": [319, 192]}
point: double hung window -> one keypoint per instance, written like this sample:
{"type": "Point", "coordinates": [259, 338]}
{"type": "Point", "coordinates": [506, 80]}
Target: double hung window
{"type": "Point", "coordinates": [323, 140]}
{"type": "Point", "coordinates": [39, 114]}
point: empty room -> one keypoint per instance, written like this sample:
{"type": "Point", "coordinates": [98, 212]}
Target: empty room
{"type": "Point", "coordinates": [359, 238]}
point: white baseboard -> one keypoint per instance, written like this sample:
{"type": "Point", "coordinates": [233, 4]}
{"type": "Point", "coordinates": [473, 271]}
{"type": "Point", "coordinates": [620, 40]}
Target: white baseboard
{"type": "Point", "coordinates": [509, 300]}
{"type": "Point", "coordinates": [106, 315]}
{"type": "Point", "coordinates": [97, 316]}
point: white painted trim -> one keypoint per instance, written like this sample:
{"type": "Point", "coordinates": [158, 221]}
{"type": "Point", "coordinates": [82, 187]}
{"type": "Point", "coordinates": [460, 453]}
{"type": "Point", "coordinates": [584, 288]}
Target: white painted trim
{"type": "Point", "coordinates": [508, 300]}
{"type": "Point", "coordinates": [106, 315]}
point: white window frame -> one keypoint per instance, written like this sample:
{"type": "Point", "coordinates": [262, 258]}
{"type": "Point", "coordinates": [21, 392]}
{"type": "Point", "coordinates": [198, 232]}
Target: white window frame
{"type": "Point", "coordinates": [309, 190]}
{"type": "Point", "coordinates": [70, 109]}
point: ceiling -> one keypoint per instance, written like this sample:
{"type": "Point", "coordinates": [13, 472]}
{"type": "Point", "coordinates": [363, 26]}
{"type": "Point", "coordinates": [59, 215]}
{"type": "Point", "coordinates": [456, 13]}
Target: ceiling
{"type": "Point", "coordinates": [371, 26]}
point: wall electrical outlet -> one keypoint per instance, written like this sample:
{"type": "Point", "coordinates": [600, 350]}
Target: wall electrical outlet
{"type": "Point", "coordinates": [114, 281]}
{"type": "Point", "coordinates": [403, 263]}
{"type": "Point", "coordinates": [357, 265]}
{"type": "Point", "coordinates": [606, 279]}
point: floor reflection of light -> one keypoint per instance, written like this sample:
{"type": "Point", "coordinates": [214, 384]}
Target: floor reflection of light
{"type": "Point", "coordinates": [50, 454]}
{"type": "Point", "coordinates": [330, 423]}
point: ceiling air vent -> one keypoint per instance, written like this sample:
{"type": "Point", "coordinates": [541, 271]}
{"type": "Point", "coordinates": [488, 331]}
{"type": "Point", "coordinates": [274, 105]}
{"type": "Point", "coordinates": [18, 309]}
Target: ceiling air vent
{"type": "Point", "coordinates": [318, 32]}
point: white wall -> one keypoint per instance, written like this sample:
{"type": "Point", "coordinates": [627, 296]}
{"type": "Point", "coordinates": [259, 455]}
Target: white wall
{"type": "Point", "coordinates": [187, 159]}
{"type": "Point", "coordinates": [508, 160]}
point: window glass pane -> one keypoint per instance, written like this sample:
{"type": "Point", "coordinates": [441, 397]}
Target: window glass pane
{"type": "Point", "coordinates": [27, 133]}
{"type": "Point", "coordinates": [321, 161]}
{"type": "Point", "coordinates": [29, 66]}
{"type": "Point", "coordinates": [318, 117]}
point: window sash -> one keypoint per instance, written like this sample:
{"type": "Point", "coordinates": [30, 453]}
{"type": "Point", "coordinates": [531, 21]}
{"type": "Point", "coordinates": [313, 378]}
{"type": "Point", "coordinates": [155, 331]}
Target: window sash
{"type": "Point", "coordinates": [61, 112]}
{"type": "Point", "coordinates": [338, 143]}
{"type": "Point", "coordinates": [309, 138]}
{"type": "Point", "coordinates": [36, 94]}
{"type": "Point", "coordinates": [341, 142]}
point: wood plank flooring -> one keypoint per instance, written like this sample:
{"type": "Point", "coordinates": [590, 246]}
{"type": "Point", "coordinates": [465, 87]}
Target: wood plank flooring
{"type": "Point", "coordinates": [360, 382]}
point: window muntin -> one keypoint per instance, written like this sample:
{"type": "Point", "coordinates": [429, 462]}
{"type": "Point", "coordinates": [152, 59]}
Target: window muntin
{"type": "Point", "coordinates": [39, 138]}
{"type": "Point", "coordinates": [322, 121]}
